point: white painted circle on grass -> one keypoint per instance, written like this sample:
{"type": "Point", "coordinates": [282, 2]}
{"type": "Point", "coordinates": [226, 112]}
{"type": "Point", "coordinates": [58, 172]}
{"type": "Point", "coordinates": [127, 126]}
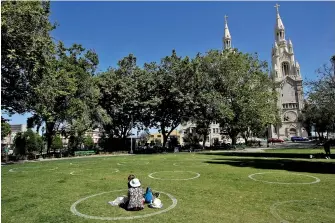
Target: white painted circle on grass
{"type": "Point", "coordinates": [15, 170]}
{"type": "Point", "coordinates": [273, 208]}
{"type": "Point", "coordinates": [316, 180]}
{"type": "Point", "coordinates": [200, 164]}
{"type": "Point", "coordinates": [191, 178]}
{"type": "Point", "coordinates": [126, 163]}
{"type": "Point", "coordinates": [72, 173]}
{"type": "Point", "coordinates": [197, 159]}
{"type": "Point", "coordinates": [76, 212]}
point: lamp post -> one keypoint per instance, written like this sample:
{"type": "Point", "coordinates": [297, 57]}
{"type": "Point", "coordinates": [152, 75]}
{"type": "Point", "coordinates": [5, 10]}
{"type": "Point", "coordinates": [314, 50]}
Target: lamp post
{"type": "Point", "coordinates": [131, 135]}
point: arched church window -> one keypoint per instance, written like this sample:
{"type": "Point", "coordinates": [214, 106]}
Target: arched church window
{"type": "Point", "coordinates": [285, 68]}
{"type": "Point", "coordinates": [298, 71]}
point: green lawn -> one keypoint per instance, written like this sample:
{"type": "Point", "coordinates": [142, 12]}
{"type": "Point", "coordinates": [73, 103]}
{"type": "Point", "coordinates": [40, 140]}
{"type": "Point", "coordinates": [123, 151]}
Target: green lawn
{"type": "Point", "coordinates": [44, 191]}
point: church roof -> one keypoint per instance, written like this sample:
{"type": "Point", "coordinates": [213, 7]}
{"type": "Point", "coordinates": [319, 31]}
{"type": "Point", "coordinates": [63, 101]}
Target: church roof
{"type": "Point", "coordinates": [226, 30]}
{"type": "Point", "coordinates": [279, 22]}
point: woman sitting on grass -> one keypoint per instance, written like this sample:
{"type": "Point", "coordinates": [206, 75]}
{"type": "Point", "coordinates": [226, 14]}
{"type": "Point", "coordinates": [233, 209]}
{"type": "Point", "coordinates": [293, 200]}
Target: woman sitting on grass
{"type": "Point", "coordinates": [135, 201]}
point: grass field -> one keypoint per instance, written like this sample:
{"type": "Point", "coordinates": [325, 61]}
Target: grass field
{"type": "Point", "coordinates": [224, 192]}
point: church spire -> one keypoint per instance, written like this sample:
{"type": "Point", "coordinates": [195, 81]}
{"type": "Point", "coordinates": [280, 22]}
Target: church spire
{"type": "Point", "coordinates": [279, 28]}
{"type": "Point", "coordinates": [227, 37]}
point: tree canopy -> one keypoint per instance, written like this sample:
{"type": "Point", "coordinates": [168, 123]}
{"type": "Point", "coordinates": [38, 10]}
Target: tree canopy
{"type": "Point", "coordinates": [26, 47]}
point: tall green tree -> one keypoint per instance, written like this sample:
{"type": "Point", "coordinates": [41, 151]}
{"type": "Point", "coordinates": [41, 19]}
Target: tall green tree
{"type": "Point", "coordinates": [120, 97]}
{"type": "Point", "coordinates": [321, 99]}
{"type": "Point", "coordinates": [67, 92]}
{"type": "Point", "coordinates": [168, 96]}
{"type": "Point", "coordinates": [208, 105]}
{"type": "Point", "coordinates": [245, 90]}
{"type": "Point", "coordinates": [26, 46]}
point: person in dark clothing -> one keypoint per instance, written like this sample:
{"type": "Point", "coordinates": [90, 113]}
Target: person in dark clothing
{"type": "Point", "coordinates": [326, 147]}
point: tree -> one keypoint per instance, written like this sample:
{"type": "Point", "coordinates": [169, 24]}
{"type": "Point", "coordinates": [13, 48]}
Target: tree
{"type": "Point", "coordinates": [67, 93]}
{"type": "Point", "coordinates": [167, 94]}
{"type": "Point", "coordinates": [207, 105]}
{"type": "Point", "coordinates": [20, 144]}
{"type": "Point", "coordinates": [28, 142]}
{"type": "Point", "coordinates": [57, 143]}
{"type": "Point", "coordinates": [31, 141]}
{"type": "Point", "coordinates": [245, 91]}
{"type": "Point", "coordinates": [39, 143]}
{"type": "Point", "coordinates": [191, 138]}
{"type": "Point", "coordinates": [25, 50]}
{"type": "Point", "coordinates": [88, 143]}
{"type": "Point", "coordinates": [119, 97]}
{"type": "Point", "coordinates": [5, 128]}
{"type": "Point", "coordinates": [321, 100]}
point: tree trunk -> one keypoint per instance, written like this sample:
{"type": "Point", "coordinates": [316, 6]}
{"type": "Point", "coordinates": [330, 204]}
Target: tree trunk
{"type": "Point", "coordinates": [204, 141]}
{"type": "Point", "coordinates": [164, 140]}
{"type": "Point", "coordinates": [49, 134]}
{"type": "Point", "coordinates": [233, 140]}
{"type": "Point", "coordinates": [233, 135]}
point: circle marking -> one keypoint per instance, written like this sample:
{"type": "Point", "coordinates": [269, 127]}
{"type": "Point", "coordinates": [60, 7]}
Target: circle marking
{"type": "Point", "coordinates": [191, 178]}
{"type": "Point", "coordinates": [76, 212]}
{"type": "Point", "coordinates": [251, 176]}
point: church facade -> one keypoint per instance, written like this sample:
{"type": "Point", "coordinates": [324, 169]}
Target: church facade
{"type": "Point", "coordinates": [286, 73]}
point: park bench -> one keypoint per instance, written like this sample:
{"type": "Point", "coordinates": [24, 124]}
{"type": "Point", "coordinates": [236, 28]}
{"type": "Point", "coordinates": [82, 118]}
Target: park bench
{"type": "Point", "coordinates": [84, 153]}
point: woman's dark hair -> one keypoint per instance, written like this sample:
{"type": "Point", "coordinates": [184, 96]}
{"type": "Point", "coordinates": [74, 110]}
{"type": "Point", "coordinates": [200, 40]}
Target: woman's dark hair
{"type": "Point", "coordinates": [130, 177]}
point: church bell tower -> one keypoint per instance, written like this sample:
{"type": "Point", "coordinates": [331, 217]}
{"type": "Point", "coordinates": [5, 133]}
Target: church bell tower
{"type": "Point", "coordinates": [286, 73]}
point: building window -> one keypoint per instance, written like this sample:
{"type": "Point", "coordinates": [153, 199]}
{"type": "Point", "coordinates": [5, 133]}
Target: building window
{"type": "Point", "coordinates": [285, 67]}
{"type": "Point", "coordinates": [158, 136]}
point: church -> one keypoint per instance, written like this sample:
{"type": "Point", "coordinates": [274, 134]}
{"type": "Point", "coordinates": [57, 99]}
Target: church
{"type": "Point", "coordinates": [285, 71]}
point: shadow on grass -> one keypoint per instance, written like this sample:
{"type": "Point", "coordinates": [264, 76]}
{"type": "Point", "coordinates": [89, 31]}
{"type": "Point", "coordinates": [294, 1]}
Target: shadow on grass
{"type": "Point", "coordinates": [279, 164]}
{"type": "Point", "coordinates": [264, 154]}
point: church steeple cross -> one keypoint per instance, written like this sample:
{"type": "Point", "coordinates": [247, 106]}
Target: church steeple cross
{"type": "Point", "coordinates": [225, 19]}
{"type": "Point", "coordinates": [277, 7]}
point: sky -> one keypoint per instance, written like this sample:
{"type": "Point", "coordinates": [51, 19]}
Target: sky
{"type": "Point", "coordinates": [151, 30]}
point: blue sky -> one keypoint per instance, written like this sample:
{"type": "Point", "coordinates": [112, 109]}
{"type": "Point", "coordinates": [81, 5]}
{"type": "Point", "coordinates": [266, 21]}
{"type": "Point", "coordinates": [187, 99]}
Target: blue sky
{"type": "Point", "coordinates": [150, 30]}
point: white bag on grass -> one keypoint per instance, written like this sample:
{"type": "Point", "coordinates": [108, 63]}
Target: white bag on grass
{"type": "Point", "coordinates": [118, 201]}
{"type": "Point", "coordinates": [156, 204]}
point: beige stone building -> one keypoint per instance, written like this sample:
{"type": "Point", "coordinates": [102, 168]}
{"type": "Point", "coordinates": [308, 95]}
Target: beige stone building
{"type": "Point", "coordinates": [286, 72]}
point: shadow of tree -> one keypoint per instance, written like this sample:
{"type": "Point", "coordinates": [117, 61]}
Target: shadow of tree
{"type": "Point", "coordinates": [279, 164]}
{"type": "Point", "coordinates": [264, 154]}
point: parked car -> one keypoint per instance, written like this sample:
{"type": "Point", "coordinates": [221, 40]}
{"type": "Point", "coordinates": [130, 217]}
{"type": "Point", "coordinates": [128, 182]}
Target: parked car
{"type": "Point", "coordinates": [275, 140]}
{"type": "Point", "coordinates": [297, 138]}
